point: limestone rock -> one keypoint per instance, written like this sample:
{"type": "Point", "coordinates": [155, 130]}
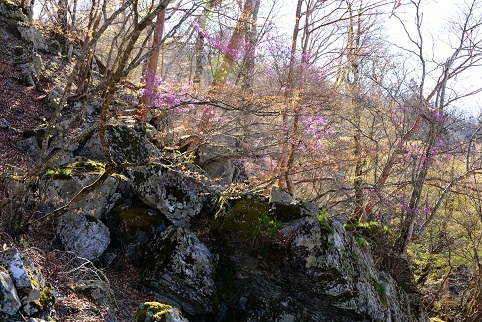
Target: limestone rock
{"type": "Point", "coordinates": [92, 148]}
{"type": "Point", "coordinates": [87, 237]}
{"type": "Point", "coordinates": [158, 312]}
{"type": "Point", "coordinates": [284, 207]}
{"type": "Point", "coordinates": [4, 124]}
{"type": "Point", "coordinates": [280, 196]}
{"type": "Point", "coordinates": [54, 96]}
{"type": "Point", "coordinates": [26, 284]}
{"type": "Point", "coordinates": [81, 229]}
{"type": "Point", "coordinates": [176, 196]}
{"type": "Point", "coordinates": [99, 201]}
{"type": "Point", "coordinates": [23, 61]}
{"type": "Point", "coordinates": [33, 295]}
{"type": "Point", "coordinates": [132, 225]}
{"type": "Point", "coordinates": [128, 146]}
{"type": "Point", "coordinates": [29, 145]}
{"type": "Point", "coordinates": [9, 300]}
{"type": "Point", "coordinates": [10, 10]}
{"type": "Point", "coordinates": [300, 269]}
{"type": "Point", "coordinates": [180, 270]}
{"type": "Point", "coordinates": [32, 36]}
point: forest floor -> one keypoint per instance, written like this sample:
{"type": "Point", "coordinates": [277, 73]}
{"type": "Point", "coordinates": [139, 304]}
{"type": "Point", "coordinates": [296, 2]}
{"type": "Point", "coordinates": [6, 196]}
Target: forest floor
{"type": "Point", "coordinates": [22, 108]}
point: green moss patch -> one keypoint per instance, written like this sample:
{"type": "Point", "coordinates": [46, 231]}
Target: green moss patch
{"type": "Point", "coordinates": [67, 171]}
{"type": "Point", "coordinates": [152, 311]}
{"type": "Point", "coordinates": [249, 219]}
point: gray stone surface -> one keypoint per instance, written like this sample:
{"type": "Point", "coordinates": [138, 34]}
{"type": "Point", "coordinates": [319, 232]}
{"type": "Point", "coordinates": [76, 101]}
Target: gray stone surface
{"type": "Point", "coordinates": [129, 146]}
{"type": "Point", "coordinates": [305, 271]}
{"type": "Point", "coordinates": [81, 230]}
{"type": "Point", "coordinates": [87, 237]}
{"type": "Point", "coordinates": [175, 194]}
{"type": "Point", "coordinates": [9, 300]}
{"type": "Point", "coordinates": [21, 282]}
{"type": "Point", "coordinates": [180, 270]}
{"type": "Point", "coordinates": [4, 124]}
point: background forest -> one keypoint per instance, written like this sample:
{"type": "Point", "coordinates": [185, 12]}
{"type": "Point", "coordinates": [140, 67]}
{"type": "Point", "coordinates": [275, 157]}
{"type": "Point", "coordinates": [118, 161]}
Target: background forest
{"type": "Point", "coordinates": [315, 99]}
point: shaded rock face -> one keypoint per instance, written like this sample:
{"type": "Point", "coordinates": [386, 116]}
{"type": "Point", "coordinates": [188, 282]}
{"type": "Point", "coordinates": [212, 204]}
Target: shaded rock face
{"type": "Point", "coordinates": [81, 230]}
{"type": "Point", "coordinates": [96, 290]}
{"type": "Point", "coordinates": [180, 270]}
{"type": "Point", "coordinates": [128, 146]}
{"type": "Point", "coordinates": [305, 271]}
{"type": "Point", "coordinates": [216, 158]}
{"type": "Point", "coordinates": [22, 290]}
{"type": "Point", "coordinates": [132, 227]}
{"type": "Point", "coordinates": [175, 196]}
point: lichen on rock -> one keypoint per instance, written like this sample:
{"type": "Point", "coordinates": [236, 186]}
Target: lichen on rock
{"type": "Point", "coordinates": [22, 287]}
{"type": "Point", "coordinates": [175, 195]}
{"type": "Point", "coordinates": [81, 229]}
{"type": "Point", "coordinates": [128, 146]}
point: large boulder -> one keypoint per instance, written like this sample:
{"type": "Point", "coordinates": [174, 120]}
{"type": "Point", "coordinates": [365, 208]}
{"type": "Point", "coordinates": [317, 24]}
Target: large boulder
{"type": "Point", "coordinates": [11, 10]}
{"type": "Point", "coordinates": [179, 269]}
{"type": "Point", "coordinates": [125, 142]}
{"type": "Point", "coordinates": [81, 229]}
{"type": "Point", "coordinates": [96, 290]}
{"type": "Point", "coordinates": [27, 31]}
{"type": "Point", "coordinates": [176, 194]}
{"type": "Point", "coordinates": [132, 227]}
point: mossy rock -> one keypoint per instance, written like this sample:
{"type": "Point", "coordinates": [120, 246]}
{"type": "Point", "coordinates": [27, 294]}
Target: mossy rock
{"type": "Point", "coordinates": [75, 168]}
{"type": "Point", "coordinates": [128, 146]}
{"type": "Point", "coordinates": [152, 312]}
{"type": "Point", "coordinates": [95, 290]}
{"type": "Point", "coordinates": [45, 302]}
{"type": "Point", "coordinates": [134, 225]}
{"type": "Point", "coordinates": [250, 221]}
{"type": "Point", "coordinates": [10, 9]}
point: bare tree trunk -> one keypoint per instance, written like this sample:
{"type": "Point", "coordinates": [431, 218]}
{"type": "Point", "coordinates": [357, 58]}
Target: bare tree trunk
{"type": "Point", "coordinates": [72, 29]}
{"type": "Point", "coordinates": [354, 34]}
{"type": "Point", "coordinates": [251, 38]}
{"type": "Point", "coordinates": [63, 25]}
{"type": "Point", "coordinates": [229, 56]}
{"type": "Point", "coordinates": [151, 70]}
{"type": "Point", "coordinates": [284, 181]}
{"type": "Point", "coordinates": [84, 74]}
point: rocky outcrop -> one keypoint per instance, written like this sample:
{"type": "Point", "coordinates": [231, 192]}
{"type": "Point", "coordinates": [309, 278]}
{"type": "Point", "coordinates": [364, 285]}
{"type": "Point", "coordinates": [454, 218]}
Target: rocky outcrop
{"type": "Point", "coordinates": [179, 269]}
{"type": "Point", "coordinates": [22, 288]}
{"type": "Point", "coordinates": [10, 303]}
{"type": "Point", "coordinates": [263, 258]}
{"type": "Point", "coordinates": [26, 30]}
{"type": "Point", "coordinates": [299, 270]}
